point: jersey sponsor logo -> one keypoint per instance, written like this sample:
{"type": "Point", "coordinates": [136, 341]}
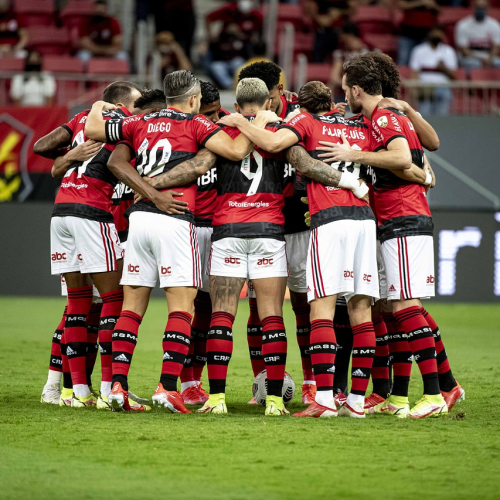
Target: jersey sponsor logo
{"type": "Point", "coordinates": [232, 260]}
{"type": "Point", "coordinates": [159, 127]}
{"type": "Point", "coordinates": [79, 257]}
{"type": "Point", "coordinates": [58, 256]}
{"type": "Point", "coordinates": [367, 278]}
{"type": "Point", "coordinates": [209, 177]}
{"type": "Point", "coordinates": [331, 188]}
{"type": "Point", "coordinates": [132, 269]}
{"type": "Point", "coordinates": [166, 270]}
{"type": "Point", "coordinates": [83, 119]}
{"type": "Point", "coordinates": [265, 262]}
{"type": "Point", "coordinates": [248, 204]}
{"type": "Point", "coordinates": [206, 123]}
{"type": "Point", "coordinates": [430, 280]}
{"type": "Point", "coordinates": [296, 119]}
{"type": "Point", "coordinates": [348, 274]}
{"type": "Point", "coordinates": [73, 185]}
{"type": "Point", "coordinates": [382, 121]}
{"type": "Point", "coordinates": [396, 124]}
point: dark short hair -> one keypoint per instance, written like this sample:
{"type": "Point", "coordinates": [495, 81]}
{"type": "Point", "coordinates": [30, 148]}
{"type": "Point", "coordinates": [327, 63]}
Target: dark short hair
{"type": "Point", "coordinates": [209, 93]}
{"type": "Point", "coordinates": [151, 98]}
{"type": "Point", "coordinates": [120, 92]}
{"type": "Point", "coordinates": [389, 75]}
{"type": "Point", "coordinates": [268, 72]}
{"type": "Point", "coordinates": [364, 72]}
{"type": "Point", "coordinates": [316, 97]}
{"type": "Point", "coordinates": [178, 84]}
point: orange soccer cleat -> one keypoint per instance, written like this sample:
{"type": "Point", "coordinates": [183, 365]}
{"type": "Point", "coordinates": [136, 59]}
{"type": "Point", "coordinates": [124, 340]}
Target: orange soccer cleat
{"type": "Point", "coordinates": [454, 396]}
{"type": "Point", "coordinates": [316, 410]}
{"type": "Point", "coordinates": [169, 399]}
{"type": "Point", "coordinates": [308, 393]}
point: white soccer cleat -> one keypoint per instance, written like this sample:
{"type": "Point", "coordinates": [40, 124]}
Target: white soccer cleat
{"type": "Point", "coordinates": [353, 410]}
{"type": "Point", "coordinates": [51, 394]}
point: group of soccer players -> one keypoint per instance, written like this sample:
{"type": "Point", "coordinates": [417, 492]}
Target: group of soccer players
{"type": "Point", "coordinates": [205, 200]}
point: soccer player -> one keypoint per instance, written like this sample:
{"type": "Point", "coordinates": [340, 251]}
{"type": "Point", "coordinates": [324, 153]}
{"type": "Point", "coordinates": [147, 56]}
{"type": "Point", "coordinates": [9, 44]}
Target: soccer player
{"type": "Point", "coordinates": [162, 241]}
{"type": "Point", "coordinates": [84, 242]}
{"type": "Point", "coordinates": [405, 229]}
{"type": "Point", "coordinates": [296, 237]}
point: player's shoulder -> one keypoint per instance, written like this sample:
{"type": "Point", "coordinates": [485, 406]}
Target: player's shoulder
{"type": "Point", "coordinates": [230, 131]}
{"type": "Point", "coordinates": [301, 117]}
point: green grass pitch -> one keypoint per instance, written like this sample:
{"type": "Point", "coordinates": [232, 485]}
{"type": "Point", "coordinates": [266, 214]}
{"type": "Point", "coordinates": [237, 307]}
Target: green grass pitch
{"type": "Point", "coordinates": [58, 453]}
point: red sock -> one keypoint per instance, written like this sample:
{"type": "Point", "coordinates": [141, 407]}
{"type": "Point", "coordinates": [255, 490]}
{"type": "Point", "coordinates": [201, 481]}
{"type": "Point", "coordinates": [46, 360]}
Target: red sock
{"type": "Point", "coordinates": [112, 303]}
{"type": "Point", "coordinates": [56, 363]}
{"type": "Point", "coordinates": [380, 371]}
{"type": "Point", "coordinates": [93, 320]}
{"type": "Point", "coordinates": [323, 349]}
{"type": "Point", "coordinates": [175, 348]}
{"type": "Point", "coordinates": [254, 338]}
{"type": "Point", "coordinates": [199, 332]}
{"type": "Point", "coordinates": [303, 336]}
{"type": "Point", "coordinates": [75, 329]}
{"type": "Point", "coordinates": [123, 345]}
{"type": "Point", "coordinates": [363, 351]}
{"type": "Point", "coordinates": [219, 350]}
{"type": "Point", "coordinates": [422, 345]}
{"type": "Point", "coordinates": [274, 353]}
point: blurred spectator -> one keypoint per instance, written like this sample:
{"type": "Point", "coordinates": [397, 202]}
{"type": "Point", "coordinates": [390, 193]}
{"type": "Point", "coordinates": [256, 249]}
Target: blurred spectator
{"type": "Point", "coordinates": [434, 62]}
{"type": "Point", "coordinates": [13, 35]}
{"type": "Point", "coordinates": [173, 57]}
{"type": "Point", "coordinates": [34, 87]}
{"type": "Point", "coordinates": [328, 17]}
{"type": "Point", "coordinates": [350, 46]}
{"type": "Point", "coordinates": [419, 16]}
{"type": "Point", "coordinates": [259, 55]}
{"type": "Point", "coordinates": [478, 38]}
{"type": "Point", "coordinates": [231, 45]}
{"type": "Point", "coordinates": [100, 35]}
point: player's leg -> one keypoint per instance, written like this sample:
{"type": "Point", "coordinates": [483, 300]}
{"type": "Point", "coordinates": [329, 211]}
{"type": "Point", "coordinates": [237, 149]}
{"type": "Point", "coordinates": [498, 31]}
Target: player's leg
{"type": "Point", "coordinates": [93, 321]}
{"type": "Point", "coordinates": [343, 333]}
{"type": "Point", "coordinates": [254, 334]}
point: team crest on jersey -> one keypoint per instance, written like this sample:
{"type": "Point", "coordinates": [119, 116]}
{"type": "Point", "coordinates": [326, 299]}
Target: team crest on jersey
{"type": "Point", "coordinates": [382, 122]}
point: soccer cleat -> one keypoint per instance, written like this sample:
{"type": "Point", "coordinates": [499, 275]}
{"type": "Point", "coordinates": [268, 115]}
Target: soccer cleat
{"type": "Point", "coordinates": [169, 399]}
{"type": "Point", "coordinates": [308, 393]}
{"type": "Point", "coordinates": [253, 401]}
{"type": "Point", "coordinates": [135, 405]}
{"type": "Point", "coordinates": [87, 401]}
{"type": "Point", "coordinates": [193, 396]}
{"type": "Point", "coordinates": [340, 398]}
{"type": "Point", "coordinates": [118, 398]}
{"type": "Point", "coordinates": [429, 406]}
{"type": "Point", "coordinates": [51, 395]}
{"type": "Point", "coordinates": [66, 396]}
{"type": "Point", "coordinates": [393, 405]}
{"type": "Point", "coordinates": [355, 410]}
{"type": "Point", "coordinates": [373, 400]}
{"type": "Point", "coordinates": [317, 411]}
{"type": "Point", "coordinates": [203, 393]}
{"type": "Point", "coordinates": [216, 404]}
{"type": "Point", "coordinates": [137, 399]}
{"type": "Point", "coordinates": [94, 393]}
{"type": "Point", "coordinates": [456, 395]}
{"type": "Point", "coordinates": [275, 407]}
{"type": "Point", "coordinates": [103, 403]}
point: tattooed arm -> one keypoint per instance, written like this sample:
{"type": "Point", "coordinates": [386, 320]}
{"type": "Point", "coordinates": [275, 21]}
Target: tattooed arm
{"type": "Point", "coordinates": [53, 144]}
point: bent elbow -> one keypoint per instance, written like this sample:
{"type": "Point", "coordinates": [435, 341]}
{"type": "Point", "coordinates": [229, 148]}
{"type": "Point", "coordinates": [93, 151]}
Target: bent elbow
{"type": "Point", "coordinates": [434, 144]}
{"type": "Point", "coordinates": [407, 162]}
{"type": "Point", "coordinates": [38, 148]}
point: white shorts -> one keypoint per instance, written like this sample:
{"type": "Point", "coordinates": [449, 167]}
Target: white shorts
{"type": "Point", "coordinates": [159, 246]}
{"type": "Point", "coordinates": [204, 235]}
{"type": "Point", "coordinates": [252, 258]}
{"type": "Point", "coordinates": [64, 289]}
{"type": "Point", "coordinates": [409, 267]}
{"type": "Point", "coordinates": [342, 260]}
{"type": "Point", "coordinates": [296, 252]}
{"type": "Point", "coordinates": [382, 279]}
{"type": "Point", "coordinates": [82, 245]}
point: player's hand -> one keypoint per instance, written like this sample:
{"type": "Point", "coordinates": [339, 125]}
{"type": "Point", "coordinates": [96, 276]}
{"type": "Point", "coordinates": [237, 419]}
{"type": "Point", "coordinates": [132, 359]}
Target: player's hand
{"type": "Point", "coordinates": [231, 120]}
{"type": "Point", "coordinates": [137, 196]}
{"type": "Point", "coordinates": [341, 107]}
{"type": "Point", "coordinates": [105, 106]}
{"type": "Point", "coordinates": [336, 151]}
{"type": "Point", "coordinates": [389, 102]}
{"type": "Point", "coordinates": [427, 170]}
{"type": "Point", "coordinates": [289, 95]}
{"type": "Point", "coordinates": [166, 202]}
{"type": "Point", "coordinates": [366, 197]}
{"type": "Point", "coordinates": [268, 115]}
{"type": "Point", "coordinates": [85, 151]}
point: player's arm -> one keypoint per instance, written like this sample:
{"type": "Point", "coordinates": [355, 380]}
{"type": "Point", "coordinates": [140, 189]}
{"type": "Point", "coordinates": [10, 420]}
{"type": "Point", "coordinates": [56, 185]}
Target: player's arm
{"type": "Point", "coordinates": [325, 174]}
{"type": "Point", "coordinates": [82, 152]}
{"type": "Point", "coordinates": [425, 131]}
{"type": "Point", "coordinates": [53, 144]}
{"type": "Point", "coordinates": [95, 126]}
{"type": "Point", "coordinates": [397, 156]}
{"type": "Point", "coordinates": [119, 165]}
{"type": "Point", "coordinates": [273, 142]}
{"type": "Point", "coordinates": [414, 174]}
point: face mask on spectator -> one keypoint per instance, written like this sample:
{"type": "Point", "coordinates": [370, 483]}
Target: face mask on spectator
{"type": "Point", "coordinates": [245, 6]}
{"type": "Point", "coordinates": [479, 13]}
{"type": "Point", "coordinates": [35, 67]}
{"type": "Point", "coordinates": [435, 40]}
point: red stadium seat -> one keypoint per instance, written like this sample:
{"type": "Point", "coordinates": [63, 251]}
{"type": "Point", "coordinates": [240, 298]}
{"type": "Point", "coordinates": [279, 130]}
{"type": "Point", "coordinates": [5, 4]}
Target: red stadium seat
{"type": "Point", "coordinates": [373, 19]}
{"type": "Point", "coordinates": [36, 12]}
{"type": "Point", "coordinates": [485, 75]}
{"type": "Point", "coordinates": [11, 64]}
{"type": "Point", "coordinates": [460, 74]}
{"type": "Point", "coordinates": [404, 72]}
{"type": "Point", "coordinates": [385, 43]}
{"type": "Point", "coordinates": [48, 40]}
{"type": "Point", "coordinates": [108, 66]}
{"type": "Point", "coordinates": [319, 72]}
{"type": "Point", "coordinates": [74, 14]}
{"type": "Point", "coordinates": [63, 64]}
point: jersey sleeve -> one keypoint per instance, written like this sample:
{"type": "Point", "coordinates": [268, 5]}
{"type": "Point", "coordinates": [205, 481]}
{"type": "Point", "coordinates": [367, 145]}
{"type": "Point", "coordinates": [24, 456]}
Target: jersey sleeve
{"type": "Point", "coordinates": [388, 126]}
{"type": "Point", "coordinates": [204, 129]}
{"type": "Point", "coordinates": [71, 125]}
{"type": "Point", "coordinates": [119, 129]}
{"type": "Point", "coordinates": [299, 125]}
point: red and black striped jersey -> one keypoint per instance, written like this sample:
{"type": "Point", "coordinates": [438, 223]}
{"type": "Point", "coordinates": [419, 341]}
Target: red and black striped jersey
{"type": "Point", "coordinates": [288, 106]}
{"type": "Point", "coordinates": [160, 141]}
{"type": "Point", "coordinates": [250, 194]}
{"type": "Point", "coordinates": [328, 203]}
{"type": "Point", "coordinates": [206, 198]}
{"type": "Point", "coordinates": [88, 186]}
{"type": "Point", "coordinates": [123, 198]}
{"type": "Point", "coordinates": [401, 206]}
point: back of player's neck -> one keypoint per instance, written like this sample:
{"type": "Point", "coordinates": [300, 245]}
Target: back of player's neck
{"type": "Point", "coordinates": [370, 104]}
